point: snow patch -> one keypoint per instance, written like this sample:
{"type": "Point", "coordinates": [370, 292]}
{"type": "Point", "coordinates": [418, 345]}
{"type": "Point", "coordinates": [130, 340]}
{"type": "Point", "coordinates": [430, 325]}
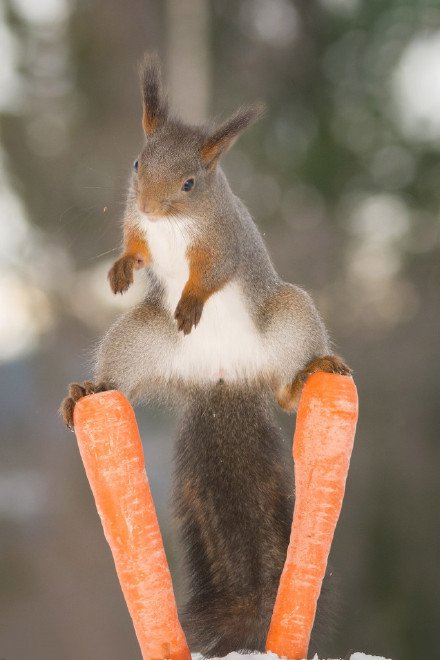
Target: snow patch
{"type": "Point", "coordinates": [273, 656]}
{"type": "Point", "coordinates": [362, 656]}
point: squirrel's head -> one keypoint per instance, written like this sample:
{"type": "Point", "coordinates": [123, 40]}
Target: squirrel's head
{"type": "Point", "coordinates": [175, 170]}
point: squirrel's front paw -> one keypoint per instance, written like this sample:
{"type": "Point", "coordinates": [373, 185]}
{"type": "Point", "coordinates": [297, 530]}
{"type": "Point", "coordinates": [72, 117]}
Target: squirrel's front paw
{"type": "Point", "coordinates": [188, 313]}
{"type": "Point", "coordinates": [76, 392]}
{"type": "Point", "coordinates": [120, 274]}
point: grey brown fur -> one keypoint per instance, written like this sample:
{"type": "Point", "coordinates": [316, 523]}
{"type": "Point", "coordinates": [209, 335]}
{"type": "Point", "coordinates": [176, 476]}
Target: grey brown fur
{"type": "Point", "coordinates": [232, 483]}
{"type": "Point", "coordinates": [153, 99]}
{"type": "Point", "coordinates": [235, 513]}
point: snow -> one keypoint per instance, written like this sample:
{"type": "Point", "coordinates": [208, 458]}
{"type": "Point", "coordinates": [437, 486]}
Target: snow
{"type": "Point", "coordinates": [362, 656]}
{"type": "Point", "coordinates": [260, 656]}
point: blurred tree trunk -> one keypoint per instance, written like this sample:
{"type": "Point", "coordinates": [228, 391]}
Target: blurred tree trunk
{"type": "Point", "coordinates": [188, 58]}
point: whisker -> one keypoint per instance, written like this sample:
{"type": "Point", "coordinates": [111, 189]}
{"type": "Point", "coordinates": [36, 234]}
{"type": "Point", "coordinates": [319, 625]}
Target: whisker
{"type": "Point", "coordinates": [65, 211]}
{"type": "Point", "coordinates": [103, 254]}
{"type": "Point", "coordinates": [177, 224]}
{"type": "Point", "coordinates": [96, 187]}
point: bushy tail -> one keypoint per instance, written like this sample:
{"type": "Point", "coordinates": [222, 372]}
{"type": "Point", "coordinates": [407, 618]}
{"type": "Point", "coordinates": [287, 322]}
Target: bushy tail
{"type": "Point", "coordinates": [234, 501]}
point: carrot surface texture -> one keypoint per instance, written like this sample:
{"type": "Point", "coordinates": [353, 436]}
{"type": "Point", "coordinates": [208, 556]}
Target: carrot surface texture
{"type": "Point", "coordinates": [323, 442]}
{"type": "Point", "coordinates": [111, 450]}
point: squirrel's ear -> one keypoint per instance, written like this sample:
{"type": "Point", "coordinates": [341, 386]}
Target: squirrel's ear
{"type": "Point", "coordinates": [224, 136]}
{"type": "Point", "coordinates": [153, 99]}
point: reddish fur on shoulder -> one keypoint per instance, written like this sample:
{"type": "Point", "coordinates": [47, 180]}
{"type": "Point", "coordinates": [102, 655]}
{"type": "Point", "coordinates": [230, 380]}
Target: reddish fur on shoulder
{"type": "Point", "coordinates": [195, 292]}
{"type": "Point", "coordinates": [135, 243]}
{"type": "Point", "coordinates": [200, 262]}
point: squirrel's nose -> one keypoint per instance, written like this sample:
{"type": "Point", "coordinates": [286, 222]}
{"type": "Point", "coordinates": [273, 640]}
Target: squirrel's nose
{"type": "Point", "coordinates": [151, 209]}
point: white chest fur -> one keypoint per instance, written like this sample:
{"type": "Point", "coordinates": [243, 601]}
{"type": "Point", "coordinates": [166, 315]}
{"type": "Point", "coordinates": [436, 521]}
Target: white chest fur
{"type": "Point", "coordinates": [226, 343]}
{"type": "Point", "coordinates": [168, 241]}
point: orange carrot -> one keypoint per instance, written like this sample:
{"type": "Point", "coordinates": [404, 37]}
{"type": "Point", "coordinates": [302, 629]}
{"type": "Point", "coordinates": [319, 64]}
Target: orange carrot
{"type": "Point", "coordinates": [113, 458]}
{"type": "Point", "coordinates": [323, 443]}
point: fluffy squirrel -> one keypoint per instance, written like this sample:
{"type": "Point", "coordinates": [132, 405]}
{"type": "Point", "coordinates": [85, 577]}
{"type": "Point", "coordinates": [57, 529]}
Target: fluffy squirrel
{"type": "Point", "coordinates": [219, 335]}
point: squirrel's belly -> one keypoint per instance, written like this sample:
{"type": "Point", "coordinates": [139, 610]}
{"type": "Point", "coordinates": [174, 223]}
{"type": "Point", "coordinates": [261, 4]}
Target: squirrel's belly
{"type": "Point", "coordinates": [225, 344]}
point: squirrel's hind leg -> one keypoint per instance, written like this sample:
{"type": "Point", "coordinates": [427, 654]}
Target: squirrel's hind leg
{"type": "Point", "coordinates": [133, 356]}
{"type": "Point", "coordinates": [298, 343]}
{"type": "Point", "coordinates": [136, 352]}
{"type": "Point", "coordinates": [288, 396]}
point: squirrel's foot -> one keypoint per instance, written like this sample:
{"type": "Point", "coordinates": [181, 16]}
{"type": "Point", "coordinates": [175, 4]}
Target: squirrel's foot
{"type": "Point", "coordinates": [120, 274]}
{"type": "Point", "coordinates": [76, 392]}
{"type": "Point", "coordinates": [188, 313]}
{"type": "Point", "coordinates": [288, 396]}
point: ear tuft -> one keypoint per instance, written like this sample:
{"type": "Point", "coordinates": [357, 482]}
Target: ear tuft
{"type": "Point", "coordinates": [224, 136]}
{"type": "Point", "coordinates": [153, 98]}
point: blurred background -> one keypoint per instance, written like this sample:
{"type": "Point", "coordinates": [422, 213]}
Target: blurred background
{"type": "Point", "coordinates": [343, 179]}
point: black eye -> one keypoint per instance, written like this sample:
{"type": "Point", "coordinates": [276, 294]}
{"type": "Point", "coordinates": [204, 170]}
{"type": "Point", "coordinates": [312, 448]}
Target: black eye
{"type": "Point", "coordinates": [189, 183]}
{"type": "Point", "coordinates": [136, 165]}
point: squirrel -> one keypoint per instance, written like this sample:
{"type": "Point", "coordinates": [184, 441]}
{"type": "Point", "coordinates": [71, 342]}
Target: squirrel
{"type": "Point", "coordinates": [219, 335]}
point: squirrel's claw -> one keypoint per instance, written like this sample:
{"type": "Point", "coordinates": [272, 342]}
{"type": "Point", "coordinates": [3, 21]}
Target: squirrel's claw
{"type": "Point", "coordinates": [66, 411]}
{"type": "Point", "coordinates": [288, 395]}
{"type": "Point", "coordinates": [332, 364]}
{"type": "Point", "coordinates": [76, 392]}
{"type": "Point", "coordinates": [188, 313]}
